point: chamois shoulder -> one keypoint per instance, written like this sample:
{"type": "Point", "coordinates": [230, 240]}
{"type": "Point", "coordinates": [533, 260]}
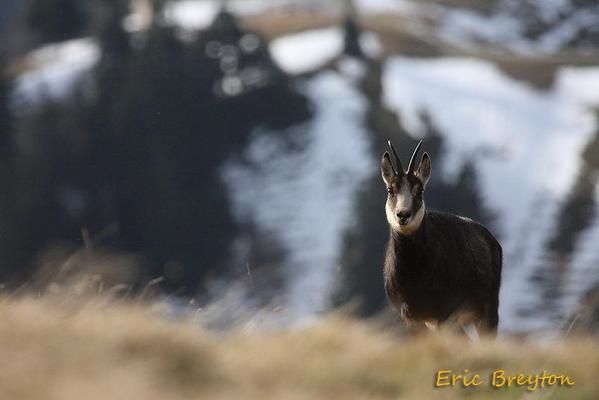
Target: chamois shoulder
{"type": "Point", "coordinates": [442, 219]}
{"type": "Point", "coordinates": [439, 217]}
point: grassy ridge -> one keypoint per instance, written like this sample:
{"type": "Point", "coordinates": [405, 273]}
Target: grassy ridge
{"type": "Point", "coordinates": [51, 352]}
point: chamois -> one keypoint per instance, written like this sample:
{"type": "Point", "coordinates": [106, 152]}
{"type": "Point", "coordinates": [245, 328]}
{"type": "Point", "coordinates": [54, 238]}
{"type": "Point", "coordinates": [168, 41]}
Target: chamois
{"type": "Point", "coordinates": [438, 267]}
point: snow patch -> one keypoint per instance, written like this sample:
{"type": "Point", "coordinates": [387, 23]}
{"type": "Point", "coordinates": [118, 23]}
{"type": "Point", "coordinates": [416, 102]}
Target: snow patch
{"type": "Point", "coordinates": [57, 70]}
{"type": "Point", "coordinates": [307, 51]}
{"type": "Point", "coordinates": [191, 14]}
{"type": "Point", "coordinates": [464, 27]}
{"type": "Point", "coordinates": [567, 30]}
{"type": "Point", "coordinates": [371, 44]}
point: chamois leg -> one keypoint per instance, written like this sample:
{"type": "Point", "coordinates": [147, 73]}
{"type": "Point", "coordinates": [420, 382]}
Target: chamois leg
{"type": "Point", "coordinates": [416, 328]}
{"type": "Point", "coordinates": [432, 325]}
{"type": "Point", "coordinates": [471, 331]}
{"type": "Point", "coordinates": [491, 317]}
{"type": "Point", "coordinates": [469, 322]}
{"type": "Point", "coordinates": [492, 307]}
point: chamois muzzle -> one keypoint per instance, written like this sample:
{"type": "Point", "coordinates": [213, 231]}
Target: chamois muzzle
{"type": "Point", "coordinates": [404, 216]}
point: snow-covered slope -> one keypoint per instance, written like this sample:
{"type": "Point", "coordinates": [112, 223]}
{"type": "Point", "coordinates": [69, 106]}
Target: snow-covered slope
{"type": "Point", "coordinates": [305, 198]}
{"type": "Point", "coordinates": [537, 26]}
{"type": "Point", "coordinates": [525, 144]}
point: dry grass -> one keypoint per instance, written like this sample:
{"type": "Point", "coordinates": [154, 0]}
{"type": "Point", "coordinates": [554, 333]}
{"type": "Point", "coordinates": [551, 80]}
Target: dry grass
{"type": "Point", "coordinates": [52, 351]}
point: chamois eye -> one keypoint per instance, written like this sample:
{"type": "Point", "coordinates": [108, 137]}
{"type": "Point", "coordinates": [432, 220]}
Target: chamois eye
{"type": "Point", "coordinates": [390, 191]}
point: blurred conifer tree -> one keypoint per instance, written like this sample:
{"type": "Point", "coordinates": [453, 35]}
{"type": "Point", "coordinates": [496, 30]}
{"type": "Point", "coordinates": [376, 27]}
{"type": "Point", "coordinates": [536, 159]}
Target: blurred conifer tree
{"type": "Point", "coordinates": [56, 20]}
{"type": "Point", "coordinates": [166, 115]}
{"type": "Point", "coordinates": [5, 117]}
{"type": "Point", "coordinates": [142, 144]}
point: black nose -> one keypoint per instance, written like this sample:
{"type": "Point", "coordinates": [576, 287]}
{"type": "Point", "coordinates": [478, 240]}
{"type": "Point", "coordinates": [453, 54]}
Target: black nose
{"type": "Point", "coordinates": [403, 215]}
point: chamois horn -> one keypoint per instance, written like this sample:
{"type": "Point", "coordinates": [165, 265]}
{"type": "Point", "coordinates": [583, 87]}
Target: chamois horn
{"type": "Point", "coordinates": [397, 160]}
{"type": "Point", "coordinates": [411, 165]}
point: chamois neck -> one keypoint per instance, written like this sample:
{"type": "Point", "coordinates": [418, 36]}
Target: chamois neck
{"type": "Point", "coordinates": [417, 236]}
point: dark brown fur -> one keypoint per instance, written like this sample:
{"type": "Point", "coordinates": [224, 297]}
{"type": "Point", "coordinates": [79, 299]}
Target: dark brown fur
{"type": "Point", "coordinates": [438, 266]}
{"type": "Point", "coordinates": [449, 265]}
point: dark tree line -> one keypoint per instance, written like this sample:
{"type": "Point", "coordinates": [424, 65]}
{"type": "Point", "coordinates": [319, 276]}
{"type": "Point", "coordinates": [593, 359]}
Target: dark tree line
{"type": "Point", "coordinates": [140, 147]}
{"type": "Point", "coordinates": [57, 20]}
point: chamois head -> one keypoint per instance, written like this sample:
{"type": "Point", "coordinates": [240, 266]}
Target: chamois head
{"type": "Point", "coordinates": [405, 205]}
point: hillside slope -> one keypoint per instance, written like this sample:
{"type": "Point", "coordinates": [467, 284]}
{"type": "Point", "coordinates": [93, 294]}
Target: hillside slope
{"type": "Point", "coordinates": [124, 352]}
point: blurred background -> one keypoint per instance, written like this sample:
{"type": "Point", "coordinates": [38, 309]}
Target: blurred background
{"type": "Point", "coordinates": [228, 152]}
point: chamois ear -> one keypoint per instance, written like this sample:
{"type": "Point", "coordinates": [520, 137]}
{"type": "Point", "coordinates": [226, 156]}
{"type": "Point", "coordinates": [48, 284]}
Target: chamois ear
{"type": "Point", "coordinates": [387, 170]}
{"type": "Point", "coordinates": [424, 169]}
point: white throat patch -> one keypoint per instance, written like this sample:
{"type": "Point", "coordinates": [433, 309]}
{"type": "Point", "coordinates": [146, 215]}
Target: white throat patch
{"type": "Point", "coordinates": [408, 229]}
